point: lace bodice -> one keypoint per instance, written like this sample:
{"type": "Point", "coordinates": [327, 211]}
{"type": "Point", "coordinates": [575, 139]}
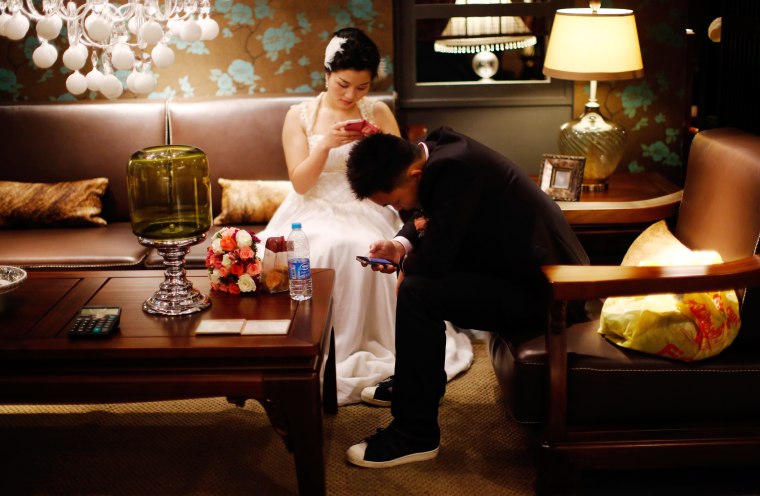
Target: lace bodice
{"type": "Point", "coordinates": [332, 184]}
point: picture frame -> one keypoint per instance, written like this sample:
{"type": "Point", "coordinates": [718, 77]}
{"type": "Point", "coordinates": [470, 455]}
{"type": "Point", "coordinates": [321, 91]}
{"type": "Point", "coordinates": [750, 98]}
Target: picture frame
{"type": "Point", "coordinates": [561, 176]}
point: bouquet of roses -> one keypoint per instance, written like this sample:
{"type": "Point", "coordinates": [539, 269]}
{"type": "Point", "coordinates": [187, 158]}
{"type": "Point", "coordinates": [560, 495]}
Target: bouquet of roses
{"type": "Point", "coordinates": [233, 266]}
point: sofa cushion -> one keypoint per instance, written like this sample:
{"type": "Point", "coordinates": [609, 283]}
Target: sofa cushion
{"type": "Point", "coordinates": [242, 136]}
{"type": "Point", "coordinates": [250, 201]}
{"type": "Point", "coordinates": [609, 383]}
{"type": "Point", "coordinates": [64, 204]}
{"type": "Point", "coordinates": [69, 141]}
{"type": "Point", "coordinates": [113, 246]}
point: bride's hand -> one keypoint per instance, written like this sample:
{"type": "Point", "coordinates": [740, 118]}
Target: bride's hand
{"type": "Point", "coordinates": [339, 135]}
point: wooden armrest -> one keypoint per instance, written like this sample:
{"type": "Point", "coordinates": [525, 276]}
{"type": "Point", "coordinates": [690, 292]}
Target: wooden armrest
{"type": "Point", "coordinates": [622, 212]}
{"type": "Point", "coordinates": [582, 282]}
{"type": "Point", "coordinates": [579, 282]}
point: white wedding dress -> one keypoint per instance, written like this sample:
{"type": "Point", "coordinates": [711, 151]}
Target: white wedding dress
{"type": "Point", "coordinates": [339, 228]}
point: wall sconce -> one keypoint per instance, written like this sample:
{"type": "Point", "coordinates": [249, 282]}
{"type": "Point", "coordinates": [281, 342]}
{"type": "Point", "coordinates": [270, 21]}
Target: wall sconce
{"type": "Point", "coordinates": [482, 36]}
{"type": "Point", "coordinates": [593, 45]}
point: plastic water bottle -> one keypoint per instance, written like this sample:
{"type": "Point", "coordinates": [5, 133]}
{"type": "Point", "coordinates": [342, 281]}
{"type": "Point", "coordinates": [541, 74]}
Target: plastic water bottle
{"type": "Point", "coordinates": [299, 265]}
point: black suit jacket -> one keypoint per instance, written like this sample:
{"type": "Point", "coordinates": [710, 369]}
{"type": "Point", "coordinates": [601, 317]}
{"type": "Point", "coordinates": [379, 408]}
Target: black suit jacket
{"type": "Point", "coordinates": [486, 215]}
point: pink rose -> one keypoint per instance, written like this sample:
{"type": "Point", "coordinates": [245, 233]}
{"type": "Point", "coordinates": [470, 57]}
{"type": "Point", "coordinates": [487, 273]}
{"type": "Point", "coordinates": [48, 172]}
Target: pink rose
{"type": "Point", "coordinates": [253, 269]}
{"type": "Point", "coordinates": [246, 253]}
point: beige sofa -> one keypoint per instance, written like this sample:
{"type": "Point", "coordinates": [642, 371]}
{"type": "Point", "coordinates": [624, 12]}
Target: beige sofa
{"type": "Point", "coordinates": [56, 142]}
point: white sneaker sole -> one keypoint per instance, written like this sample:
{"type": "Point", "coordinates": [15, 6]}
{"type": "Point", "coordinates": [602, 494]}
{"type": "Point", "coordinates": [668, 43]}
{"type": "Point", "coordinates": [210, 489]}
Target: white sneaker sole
{"type": "Point", "coordinates": [368, 396]}
{"type": "Point", "coordinates": [355, 455]}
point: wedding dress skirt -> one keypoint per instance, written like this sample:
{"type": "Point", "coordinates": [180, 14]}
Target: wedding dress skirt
{"type": "Point", "coordinates": [339, 228]}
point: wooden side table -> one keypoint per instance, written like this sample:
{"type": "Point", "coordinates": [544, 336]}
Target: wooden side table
{"type": "Point", "coordinates": [607, 222]}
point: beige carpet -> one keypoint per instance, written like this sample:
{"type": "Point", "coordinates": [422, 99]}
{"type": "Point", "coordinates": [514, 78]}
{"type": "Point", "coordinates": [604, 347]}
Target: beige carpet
{"type": "Point", "coordinates": [211, 447]}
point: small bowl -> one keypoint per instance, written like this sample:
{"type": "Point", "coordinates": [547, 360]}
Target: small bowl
{"type": "Point", "coordinates": [11, 278]}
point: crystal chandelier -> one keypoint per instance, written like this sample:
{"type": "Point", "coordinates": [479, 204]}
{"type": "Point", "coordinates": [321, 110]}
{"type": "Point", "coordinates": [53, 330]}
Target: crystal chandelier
{"type": "Point", "coordinates": [131, 37]}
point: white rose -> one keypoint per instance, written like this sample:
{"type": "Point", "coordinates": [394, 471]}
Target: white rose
{"type": "Point", "coordinates": [246, 283]}
{"type": "Point", "coordinates": [214, 276]}
{"type": "Point", "coordinates": [243, 238]}
{"type": "Point", "coordinates": [216, 245]}
{"type": "Point", "coordinates": [226, 261]}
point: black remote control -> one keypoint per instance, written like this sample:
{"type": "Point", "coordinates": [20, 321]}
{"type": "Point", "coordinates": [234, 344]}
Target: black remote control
{"type": "Point", "coordinates": [95, 321]}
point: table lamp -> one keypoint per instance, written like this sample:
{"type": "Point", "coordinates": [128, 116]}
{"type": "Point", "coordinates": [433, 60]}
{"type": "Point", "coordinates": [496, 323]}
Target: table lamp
{"type": "Point", "coordinates": [594, 44]}
{"type": "Point", "coordinates": [170, 208]}
{"type": "Point", "coordinates": [482, 36]}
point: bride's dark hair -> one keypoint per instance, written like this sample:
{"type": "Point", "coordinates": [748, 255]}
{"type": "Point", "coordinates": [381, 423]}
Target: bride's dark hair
{"type": "Point", "coordinates": [358, 52]}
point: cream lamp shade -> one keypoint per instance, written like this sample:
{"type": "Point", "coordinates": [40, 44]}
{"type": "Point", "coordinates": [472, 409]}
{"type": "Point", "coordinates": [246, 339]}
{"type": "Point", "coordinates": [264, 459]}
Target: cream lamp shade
{"type": "Point", "coordinates": [593, 45]}
{"type": "Point", "coordinates": [599, 45]}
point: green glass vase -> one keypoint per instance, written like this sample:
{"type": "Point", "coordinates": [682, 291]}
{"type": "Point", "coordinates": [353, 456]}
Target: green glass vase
{"type": "Point", "coordinates": [169, 190]}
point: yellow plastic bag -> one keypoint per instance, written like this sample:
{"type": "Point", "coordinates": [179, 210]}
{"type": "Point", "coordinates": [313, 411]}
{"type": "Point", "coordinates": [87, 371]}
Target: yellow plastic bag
{"type": "Point", "coordinates": [686, 327]}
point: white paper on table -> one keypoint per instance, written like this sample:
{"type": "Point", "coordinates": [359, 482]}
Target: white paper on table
{"type": "Point", "coordinates": [220, 326]}
{"type": "Point", "coordinates": [256, 327]}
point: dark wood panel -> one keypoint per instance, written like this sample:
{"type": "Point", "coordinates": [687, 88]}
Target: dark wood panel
{"type": "Point", "coordinates": [149, 337]}
{"type": "Point", "coordinates": [21, 309]}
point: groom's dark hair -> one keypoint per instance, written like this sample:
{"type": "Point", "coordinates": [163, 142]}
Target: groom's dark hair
{"type": "Point", "coordinates": [377, 163]}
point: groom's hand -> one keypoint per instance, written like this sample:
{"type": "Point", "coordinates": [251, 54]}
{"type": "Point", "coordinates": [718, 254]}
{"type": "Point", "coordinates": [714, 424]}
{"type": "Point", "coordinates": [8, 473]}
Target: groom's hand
{"type": "Point", "coordinates": [391, 250]}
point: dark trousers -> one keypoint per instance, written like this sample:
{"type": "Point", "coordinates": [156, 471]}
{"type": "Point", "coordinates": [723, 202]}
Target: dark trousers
{"type": "Point", "coordinates": [468, 300]}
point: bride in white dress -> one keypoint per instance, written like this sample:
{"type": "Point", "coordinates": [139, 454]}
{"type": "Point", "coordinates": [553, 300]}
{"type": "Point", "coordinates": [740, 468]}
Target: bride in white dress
{"type": "Point", "coordinates": [339, 226]}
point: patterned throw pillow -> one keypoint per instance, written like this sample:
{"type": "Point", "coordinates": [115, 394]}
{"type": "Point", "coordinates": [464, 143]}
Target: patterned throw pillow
{"type": "Point", "coordinates": [65, 204]}
{"type": "Point", "coordinates": [250, 201]}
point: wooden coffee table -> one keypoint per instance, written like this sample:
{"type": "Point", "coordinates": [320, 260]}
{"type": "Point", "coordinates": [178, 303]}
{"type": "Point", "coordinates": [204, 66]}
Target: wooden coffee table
{"type": "Point", "coordinates": [155, 358]}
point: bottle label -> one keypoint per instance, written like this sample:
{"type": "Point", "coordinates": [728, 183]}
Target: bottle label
{"type": "Point", "coordinates": [300, 269]}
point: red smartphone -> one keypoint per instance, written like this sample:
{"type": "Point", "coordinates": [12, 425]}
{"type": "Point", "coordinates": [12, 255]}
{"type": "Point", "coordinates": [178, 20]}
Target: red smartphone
{"type": "Point", "coordinates": [363, 126]}
{"type": "Point", "coordinates": [356, 125]}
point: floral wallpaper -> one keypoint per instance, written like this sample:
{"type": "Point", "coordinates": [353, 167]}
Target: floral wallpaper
{"type": "Point", "coordinates": [652, 109]}
{"type": "Point", "coordinates": [263, 46]}
{"type": "Point", "coordinates": [277, 46]}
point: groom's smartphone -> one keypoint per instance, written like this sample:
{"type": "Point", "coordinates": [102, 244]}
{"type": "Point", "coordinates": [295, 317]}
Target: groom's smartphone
{"type": "Point", "coordinates": [381, 261]}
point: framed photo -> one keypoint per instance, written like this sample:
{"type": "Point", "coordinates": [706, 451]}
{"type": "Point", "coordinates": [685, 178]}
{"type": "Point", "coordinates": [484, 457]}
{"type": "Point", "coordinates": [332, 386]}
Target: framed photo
{"type": "Point", "coordinates": [560, 176]}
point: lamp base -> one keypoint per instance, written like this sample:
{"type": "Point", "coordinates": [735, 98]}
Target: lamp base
{"type": "Point", "coordinates": [176, 295]}
{"type": "Point", "coordinates": [594, 186]}
{"type": "Point", "coordinates": [601, 141]}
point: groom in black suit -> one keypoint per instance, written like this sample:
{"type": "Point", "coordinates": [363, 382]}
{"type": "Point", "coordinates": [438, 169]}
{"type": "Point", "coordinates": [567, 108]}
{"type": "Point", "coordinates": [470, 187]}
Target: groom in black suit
{"type": "Point", "coordinates": [477, 264]}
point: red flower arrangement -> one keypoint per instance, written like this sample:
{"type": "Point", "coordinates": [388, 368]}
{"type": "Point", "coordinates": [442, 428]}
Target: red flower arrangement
{"type": "Point", "coordinates": [231, 260]}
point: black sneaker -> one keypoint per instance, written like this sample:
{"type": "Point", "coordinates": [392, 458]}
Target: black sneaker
{"type": "Point", "coordinates": [391, 447]}
{"type": "Point", "coordinates": [380, 394]}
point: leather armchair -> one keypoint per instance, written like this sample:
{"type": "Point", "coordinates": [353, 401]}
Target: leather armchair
{"type": "Point", "coordinates": [604, 407]}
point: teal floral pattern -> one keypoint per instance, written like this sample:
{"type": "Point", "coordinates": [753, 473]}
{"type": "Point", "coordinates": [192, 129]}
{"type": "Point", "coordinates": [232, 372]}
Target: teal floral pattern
{"type": "Point", "coordinates": [277, 46]}
{"type": "Point", "coordinates": [652, 109]}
